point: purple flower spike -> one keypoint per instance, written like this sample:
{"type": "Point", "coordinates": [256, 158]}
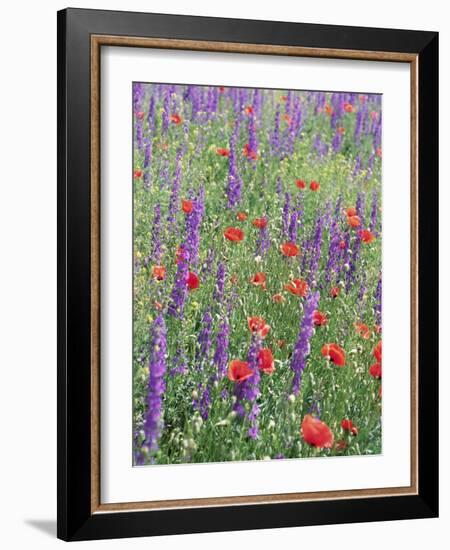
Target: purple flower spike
{"type": "Point", "coordinates": [220, 359]}
{"type": "Point", "coordinates": [378, 293]}
{"type": "Point", "coordinates": [220, 283]}
{"type": "Point", "coordinates": [248, 390]}
{"type": "Point", "coordinates": [302, 347]}
{"type": "Point", "coordinates": [234, 188]}
{"type": "Point", "coordinates": [193, 223]}
{"type": "Point", "coordinates": [179, 291]}
{"type": "Point", "coordinates": [286, 213]}
{"type": "Point", "coordinates": [156, 385]}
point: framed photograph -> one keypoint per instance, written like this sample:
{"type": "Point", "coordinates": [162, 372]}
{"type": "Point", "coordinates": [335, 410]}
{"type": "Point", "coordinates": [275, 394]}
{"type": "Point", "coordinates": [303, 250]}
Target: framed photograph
{"type": "Point", "coordinates": [247, 255]}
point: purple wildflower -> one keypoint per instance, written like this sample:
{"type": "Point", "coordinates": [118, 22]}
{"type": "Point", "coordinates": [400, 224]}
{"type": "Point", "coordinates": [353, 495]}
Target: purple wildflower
{"type": "Point", "coordinates": [252, 140]}
{"type": "Point", "coordinates": [165, 112]}
{"type": "Point", "coordinates": [293, 227]}
{"type": "Point", "coordinates": [151, 115]}
{"type": "Point", "coordinates": [156, 384]}
{"type": "Point", "coordinates": [220, 283]}
{"type": "Point", "coordinates": [147, 153]}
{"type": "Point", "coordinates": [193, 223]}
{"type": "Point", "coordinates": [247, 391]}
{"type": "Point", "coordinates": [138, 94]}
{"type": "Point", "coordinates": [337, 142]}
{"type": "Point", "coordinates": [220, 359]}
{"type": "Point", "coordinates": [179, 290]}
{"type": "Point", "coordinates": [234, 181]}
{"type": "Point", "coordinates": [275, 137]}
{"type": "Point", "coordinates": [374, 212]}
{"type": "Point", "coordinates": [262, 241]}
{"type": "Point", "coordinates": [302, 346]}
{"type": "Point", "coordinates": [378, 299]}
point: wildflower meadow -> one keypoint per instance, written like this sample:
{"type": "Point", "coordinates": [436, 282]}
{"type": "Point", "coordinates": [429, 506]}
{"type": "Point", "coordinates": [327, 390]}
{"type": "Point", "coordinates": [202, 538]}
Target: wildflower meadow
{"type": "Point", "coordinates": [257, 274]}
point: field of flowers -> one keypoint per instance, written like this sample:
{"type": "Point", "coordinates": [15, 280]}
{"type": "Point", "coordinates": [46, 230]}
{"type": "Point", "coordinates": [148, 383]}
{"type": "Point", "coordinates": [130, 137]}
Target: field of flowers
{"type": "Point", "coordinates": [257, 274]}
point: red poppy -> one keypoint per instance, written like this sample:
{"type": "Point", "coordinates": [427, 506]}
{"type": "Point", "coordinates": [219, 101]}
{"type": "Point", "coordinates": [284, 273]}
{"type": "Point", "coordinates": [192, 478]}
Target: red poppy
{"type": "Point", "coordinates": [187, 206]}
{"type": "Point", "coordinates": [238, 371]}
{"type": "Point", "coordinates": [316, 433]}
{"type": "Point", "coordinates": [248, 152]}
{"type": "Point", "coordinates": [265, 361]}
{"type": "Point", "coordinates": [342, 245]}
{"type": "Point", "coordinates": [175, 118]}
{"type": "Point", "coordinates": [314, 185]}
{"type": "Point", "coordinates": [348, 108]}
{"type": "Point", "coordinates": [289, 249]}
{"type": "Point", "coordinates": [348, 426]}
{"type": "Point", "coordinates": [259, 279]}
{"type": "Point", "coordinates": [223, 151]}
{"type": "Point", "coordinates": [140, 115]}
{"type": "Point", "coordinates": [287, 118]}
{"type": "Point", "coordinates": [192, 281]}
{"type": "Point", "coordinates": [283, 98]}
{"type": "Point", "coordinates": [301, 184]}
{"type": "Point", "coordinates": [158, 272]}
{"type": "Point", "coordinates": [258, 325]}
{"type": "Point", "coordinates": [137, 174]}
{"type": "Point", "coordinates": [335, 353]}
{"type": "Point", "coordinates": [379, 152]}
{"type": "Point", "coordinates": [377, 352]}
{"type": "Point", "coordinates": [248, 110]}
{"type": "Point", "coordinates": [298, 287]}
{"type": "Point", "coordinates": [260, 223]}
{"type": "Point", "coordinates": [278, 298]}
{"type": "Point", "coordinates": [341, 130]}
{"type": "Point", "coordinates": [363, 330]}
{"type": "Point", "coordinates": [158, 305]}
{"type": "Point", "coordinates": [351, 211]}
{"type": "Point", "coordinates": [335, 291]}
{"type": "Point", "coordinates": [233, 234]}
{"type": "Point", "coordinates": [366, 236]}
{"type": "Point", "coordinates": [328, 109]}
{"type": "Point", "coordinates": [375, 370]}
{"type": "Point", "coordinates": [353, 221]}
{"type": "Point", "coordinates": [221, 89]}
{"type": "Point", "coordinates": [319, 318]}
{"type": "Point", "coordinates": [241, 216]}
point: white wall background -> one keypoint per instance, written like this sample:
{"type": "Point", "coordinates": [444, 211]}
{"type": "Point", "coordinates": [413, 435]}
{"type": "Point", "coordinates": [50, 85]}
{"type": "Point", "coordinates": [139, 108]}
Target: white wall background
{"type": "Point", "coordinates": [28, 271]}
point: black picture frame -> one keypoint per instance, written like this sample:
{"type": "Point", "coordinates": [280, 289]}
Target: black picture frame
{"type": "Point", "coordinates": [75, 518]}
